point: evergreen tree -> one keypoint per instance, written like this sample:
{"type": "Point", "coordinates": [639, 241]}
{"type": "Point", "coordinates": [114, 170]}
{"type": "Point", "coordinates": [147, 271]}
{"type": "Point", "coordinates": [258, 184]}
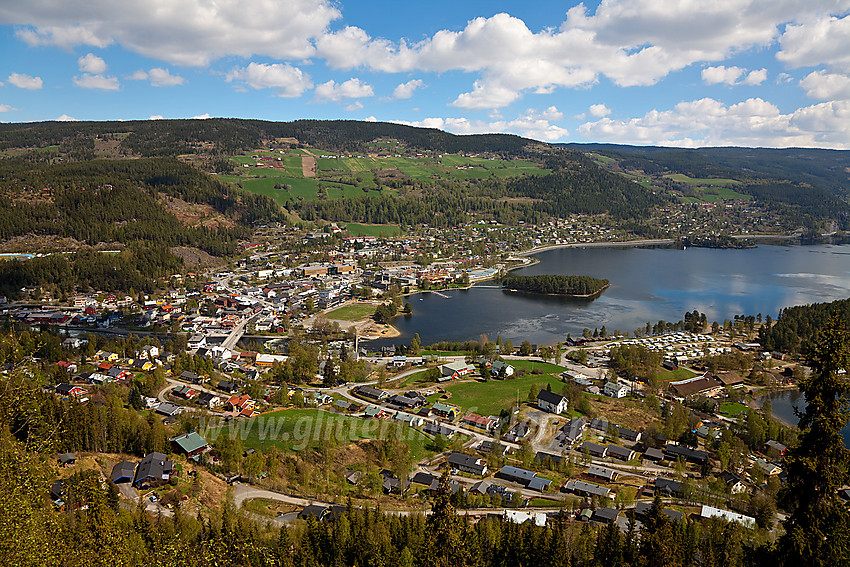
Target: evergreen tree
{"type": "Point", "coordinates": [818, 526]}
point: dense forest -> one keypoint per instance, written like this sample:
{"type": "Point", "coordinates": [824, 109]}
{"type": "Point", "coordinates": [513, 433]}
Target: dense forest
{"type": "Point", "coordinates": [555, 285]}
{"type": "Point", "coordinates": [230, 135]}
{"type": "Point", "coordinates": [796, 327]}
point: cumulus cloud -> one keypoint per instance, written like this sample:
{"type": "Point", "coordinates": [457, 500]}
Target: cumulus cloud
{"type": "Point", "coordinates": [91, 63]}
{"type": "Point", "coordinates": [99, 82]}
{"type": "Point", "coordinates": [531, 124]}
{"type": "Point", "coordinates": [599, 110]}
{"type": "Point", "coordinates": [823, 40]}
{"type": "Point", "coordinates": [204, 116]}
{"type": "Point", "coordinates": [405, 90]}
{"type": "Point", "coordinates": [192, 32]}
{"type": "Point", "coordinates": [721, 74]}
{"type": "Point", "coordinates": [755, 77]}
{"type": "Point", "coordinates": [826, 86]}
{"type": "Point", "coordinates": [155, 117]}
{"type": "Point", "coordinates": [631, 42]}
{"type": "Point", "coordinates": [23, 81]}
{"type": "Point", "coordinates": [66, 118]}
{"type": "Point", "coordinates": [6, 108]}
{"type": "Point", "coordinates": [163, 78]}
{"type": "Point", "coordinates": [352, 88]}
{"type": "Point", "coordinates": [356, 105]}
{"type": "Point", "coordinates": [289, 81]}
{"type": "Point", "coordinates": [708, 122]}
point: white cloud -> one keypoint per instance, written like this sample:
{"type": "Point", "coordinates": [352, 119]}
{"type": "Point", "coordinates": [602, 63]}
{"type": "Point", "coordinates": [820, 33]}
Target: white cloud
{"type": "Point", "coordinates": [352, 88]}
{"type": "Point", "coordinates": [88, 81]}
{"type": "Point", "coordinates": [599, 110]}
{"type": "Point", "coordinates": [155, 117]}
{"type": "Point", "coordinates": [826, 86]}
{"type": "Point", "coordinates": [163, 78]}
{"type": "Point", "coordinates": [721, 74]}
{"type": "Point", "coordinates": [190, 32]}
{"type": "Point", "coordinates": [531, 124]}
{"type": "Point", "coordinates": [204, 116]}
{"type": "Point", "coordinates": [708, 122]}
{"type": "Point", "coordinates": [486, 95]}
{"type": "Point", "coordinates": [140, 75]}
{"type": "Point", "coordinates": [91, 63]}
{"type": "Point", "coordinates": [66, 118]}
{"type": "Point", "coordinates": [823, 40]}
{"type": "Point", "coordinates": [756, 77]}
{"type": "Point", "coordinates": [370, 119]}
{"type": "Point", "coordinates": [356, 105]}
{"type": "Point", "coordinates": [631, 42]}
{"type": "Point", "coordinates": [6, 108]}
{"type": "Point", "coordinates": [23, 81]}
{"type": "Point", "coordinates": [405, 90]}
{"type": "Point", "coordinates": [289, 81]}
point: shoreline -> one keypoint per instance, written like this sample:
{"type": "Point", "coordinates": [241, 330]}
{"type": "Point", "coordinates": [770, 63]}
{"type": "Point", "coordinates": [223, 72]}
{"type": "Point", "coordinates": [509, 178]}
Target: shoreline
{"type": "Point", "coordinates": [606, 244]}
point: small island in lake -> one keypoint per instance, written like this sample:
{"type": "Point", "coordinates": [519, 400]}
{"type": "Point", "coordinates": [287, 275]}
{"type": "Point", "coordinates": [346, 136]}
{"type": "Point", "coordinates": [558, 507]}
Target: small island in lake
{"type": "Point", "coordinates": [571, 286]}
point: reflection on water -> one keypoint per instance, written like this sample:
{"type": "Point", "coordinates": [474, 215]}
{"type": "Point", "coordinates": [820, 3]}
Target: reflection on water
{"type": "Point", "coordinates": [646, 285]}
{"type": "Point", "coordinates": [786, 402]}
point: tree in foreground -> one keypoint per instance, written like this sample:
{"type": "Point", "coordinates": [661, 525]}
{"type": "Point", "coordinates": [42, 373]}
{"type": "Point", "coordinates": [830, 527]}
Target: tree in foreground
{"type": "Point", "coordinates": [818, 525]}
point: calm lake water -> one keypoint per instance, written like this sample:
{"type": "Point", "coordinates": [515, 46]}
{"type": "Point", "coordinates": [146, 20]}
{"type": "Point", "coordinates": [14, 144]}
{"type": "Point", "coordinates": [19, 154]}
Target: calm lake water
{"type": "Point", "coordinates": [647, 284]}
{"type": "Point", "coordinates": [786, 401]}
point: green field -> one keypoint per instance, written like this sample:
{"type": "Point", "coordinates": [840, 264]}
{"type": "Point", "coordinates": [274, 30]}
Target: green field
{"type": "Point", "coordinates": [373, 229]}
{"type": "Point", "coordinates": [297, 429]}
{"type": "Point", "coordinates": [488, 398]}
{"type": "Point", "coordinates": [352, 312]}
{"type": "Point", "coordinates": [262, 179]}
{"type": "Point", "coordinates": [709, 182]}
{"type": "Point", "coordinates": [665, 375]}
{"type": "Point", "coordinates": [732, 409]}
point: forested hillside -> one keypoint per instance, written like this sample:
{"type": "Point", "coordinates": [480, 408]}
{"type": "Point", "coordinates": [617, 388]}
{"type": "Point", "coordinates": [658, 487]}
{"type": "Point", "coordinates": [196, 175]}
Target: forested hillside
{"type": "Point", "coordinates": [796, 327]}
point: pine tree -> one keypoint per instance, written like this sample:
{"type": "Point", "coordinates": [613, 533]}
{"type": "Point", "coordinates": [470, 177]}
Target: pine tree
{"type": "Point", "coordinates": [818, 526]}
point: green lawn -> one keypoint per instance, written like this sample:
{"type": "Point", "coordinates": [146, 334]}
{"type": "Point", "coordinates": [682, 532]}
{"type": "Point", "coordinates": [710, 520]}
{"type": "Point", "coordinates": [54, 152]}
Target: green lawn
{"type": "Point", "coordinates": [682, 178]}
{"type": "Point", "coordinates": [530, 365]}
{"type": "Point", "coordinates": [671, 376]}
{"type": "Point", "coordinates": [296, 429]}
{"type": "Point", "coordinates": [732, 409]}
{"type": "Point", "coordinates": [352, 312]}
{"type": "Point", "coordinates": [488, 398]}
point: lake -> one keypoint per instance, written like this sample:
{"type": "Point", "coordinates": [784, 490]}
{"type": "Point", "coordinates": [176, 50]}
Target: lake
{"type": "Point", "coordinates": [785, 401]}
{"type": "Point", "coordinates": [647, 284]}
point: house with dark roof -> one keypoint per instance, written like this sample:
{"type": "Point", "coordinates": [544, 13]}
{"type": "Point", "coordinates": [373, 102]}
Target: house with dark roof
{"type": "Point", "coordinates": [604, 515]}
{"type": "Point", "coordinates": [606, 474]}
{"type": "Point", "coordinates": [667, 486]}
{"type": "Point", "coordinates": [585, 488]}
{"type": "Point", "coordinates": [572, 431]}
{"type": "Point", "coordinates": [154, 470]}
{"type": "Point", "coordinates": [370, 393]}
{"type": "Point", "coordinates": [468, 463]}
{"type": "Point", "coordinates": [621, 453]}
{"type": "Point", "coordinates": [519, 431]}
{"type": "Point", "coordinates": [168, 409]}
{"type": "Point", "coordinates": [673, 452]}
{"type": "Point", "coordinates": [124, 471]}
{"type": "Point", "coordinates": [595, 450]}
{"type": "Point", "coordinates": [551, 402]}
{"type": "Point", "coordinates": [437, 429]}
{"type": "Point", "coordinates": [67, 459]}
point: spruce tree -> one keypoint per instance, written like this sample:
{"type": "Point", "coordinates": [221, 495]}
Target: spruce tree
{"type": "Point", "coordinates": [818, 525]}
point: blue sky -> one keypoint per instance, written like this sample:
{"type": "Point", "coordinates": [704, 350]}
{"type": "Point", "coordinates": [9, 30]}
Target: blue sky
{"type": "Point", "coordinates": [665, 72]}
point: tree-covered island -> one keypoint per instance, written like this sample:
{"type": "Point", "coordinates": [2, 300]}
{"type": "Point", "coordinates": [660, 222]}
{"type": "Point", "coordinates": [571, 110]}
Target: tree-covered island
{"type": "Point", "coordinates": [573, 286]}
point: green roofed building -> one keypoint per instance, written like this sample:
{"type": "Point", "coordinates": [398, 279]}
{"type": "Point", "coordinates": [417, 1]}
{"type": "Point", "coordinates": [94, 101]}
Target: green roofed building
{"type": "Point", "coordinates": [189, 443]}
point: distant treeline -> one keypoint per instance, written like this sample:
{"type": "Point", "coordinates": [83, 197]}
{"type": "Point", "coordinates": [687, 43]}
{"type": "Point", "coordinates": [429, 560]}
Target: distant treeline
{"type": "Point", "coordinates": [555, 285]}
{"type": "Point", "coordinates": [797, 327]}
{"type": "Point", "coordinates": [229, 135]}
